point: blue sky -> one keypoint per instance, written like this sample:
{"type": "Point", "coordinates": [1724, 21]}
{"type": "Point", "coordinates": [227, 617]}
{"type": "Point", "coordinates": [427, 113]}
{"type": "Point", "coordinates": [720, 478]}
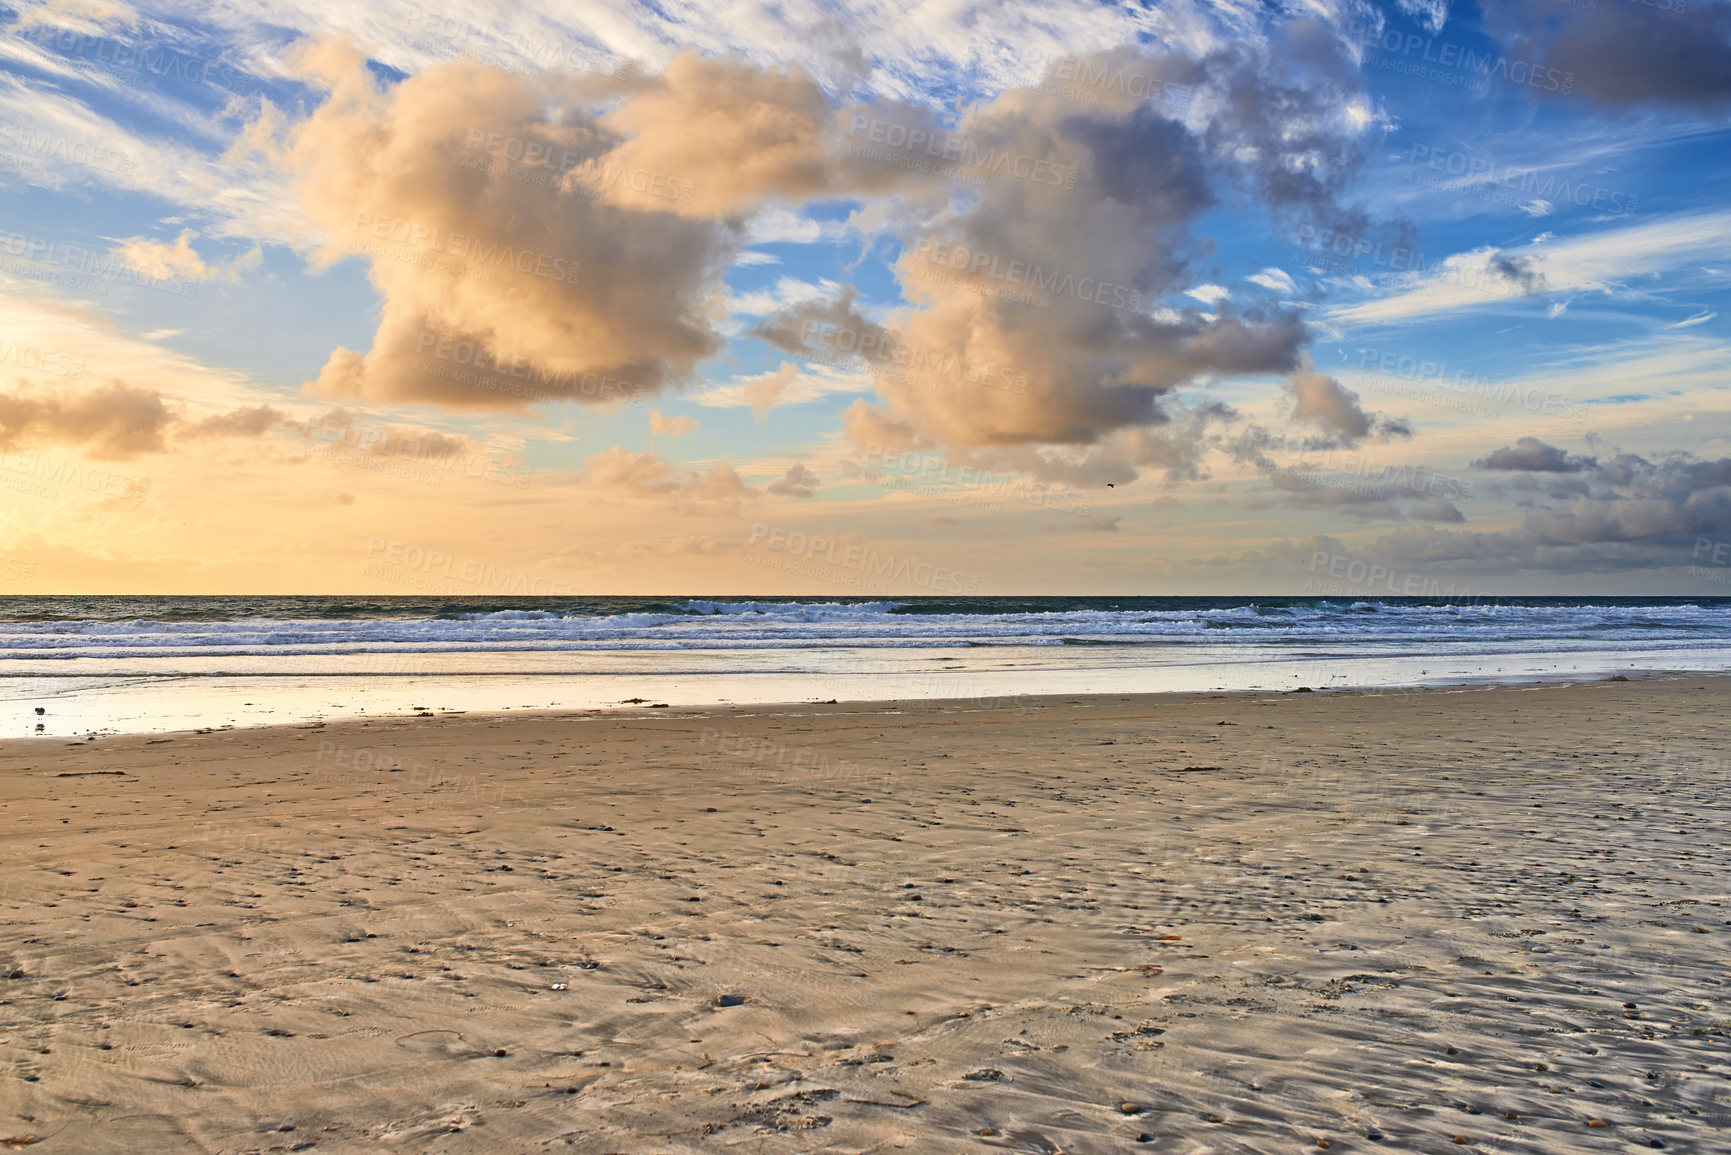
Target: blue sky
{"type": "Point", "coordinates": [1428, 285]}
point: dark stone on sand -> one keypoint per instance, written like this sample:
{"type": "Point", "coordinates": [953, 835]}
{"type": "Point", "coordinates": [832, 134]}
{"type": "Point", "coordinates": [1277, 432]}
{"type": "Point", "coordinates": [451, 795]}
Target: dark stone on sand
{"type": "Point", "coordinates": [730, 1000]}
{"type": "Point", "coordinates": [1304, 690]}
{"type": "Point", "coordinates": [985, 1075]}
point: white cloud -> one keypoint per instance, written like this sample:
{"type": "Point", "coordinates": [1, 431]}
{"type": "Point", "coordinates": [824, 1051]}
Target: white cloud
{"type": "Point", "coordinates": [811, 382]}
{"type": "Point", "coordinates": [1277, 280]}
{"type": "Point", "coordinates": [670, 426]}
{"type": "Point", "coordinates": [785, 293]}
{"type": "Point", "coordinates": [778, 223]}
{"type": "Point", "coordinates": [1597, 262]}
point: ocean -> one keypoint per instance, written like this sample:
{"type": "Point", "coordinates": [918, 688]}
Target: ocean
{"type": "Point", "coordinates": [156, 663]}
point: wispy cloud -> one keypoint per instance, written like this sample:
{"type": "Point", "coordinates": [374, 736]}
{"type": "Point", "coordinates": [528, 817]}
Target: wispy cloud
{"type": "Point", "coordinates": [1599, 262]}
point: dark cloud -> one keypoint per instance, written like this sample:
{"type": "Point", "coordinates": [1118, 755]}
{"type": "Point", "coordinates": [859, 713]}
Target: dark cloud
{"type": "Point", "coordinates": [1521, 273]}
{"type": "Point", "coordinates": [797, 482]}
{"type": "Point", "coordinates": [1371, 497]}
{"type": "Point", "coordinates": [1635, 514]}
{"type": "Point", "coordinates": [1531, 455]}
{"type": "Point", "coordinates": [1624, 53]}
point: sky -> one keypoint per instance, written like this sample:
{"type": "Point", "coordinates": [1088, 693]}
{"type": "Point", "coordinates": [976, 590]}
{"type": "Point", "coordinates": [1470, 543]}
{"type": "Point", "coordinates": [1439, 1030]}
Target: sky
{"type": "Point", "coordinates": [1321, 296]}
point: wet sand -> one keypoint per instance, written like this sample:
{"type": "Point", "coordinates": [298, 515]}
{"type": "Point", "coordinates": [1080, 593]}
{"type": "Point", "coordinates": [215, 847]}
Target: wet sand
{"type": "Point", "coordinates": [1489, 920]}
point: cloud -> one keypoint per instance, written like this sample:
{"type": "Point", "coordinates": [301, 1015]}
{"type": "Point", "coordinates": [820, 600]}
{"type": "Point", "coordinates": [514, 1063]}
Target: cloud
{"type": "Point", "coordinates": [1602, 262]}
{"type": "Point", "coordinates": [670, 426]}
{"type": "Point", "coordinates": [416, 181]}
{"type": "Point", "coordinates": [764, 391]}
{"type": "Point", "coordinates": [1321, 400]}
{"type": "Point", "coordinates": [797, 482]}
{"type": "Point", "coordinates": [548, 278]}
{"type": "Point", "coordinates": [1632, 513]}
{"type": "Point", "coordinates": [738, 135]}
{"type": "Point", "coordinates": [1391, 494]}
{"type": "Point", "coordinates": [1520, 273]}
{"type": "Point", "coordinates": [116, 421]}
{"type": "Point", "coordinates": [1082, 525]}
{"type": "Point", "coordinates": [166, 261]}
{"type": "Point", "coordinates": [252, 422]}
{"type": "Point", "coordinates": [1700, 318]}
{"type": "Point", "coordinates": [1623, 54]}
{"type": "Point", "coordinates": [1534, 456]}
{"type": "Point", "coordinates": [785, 385]}
{"type": "Point", "coordinates": [1032, 322]}
{"type": "Point", "coordinates": [1277, 280]}
{"type": "Point", "coordinates": [113, 422]}
{"type": "Point", "coordinates": [717, 491]}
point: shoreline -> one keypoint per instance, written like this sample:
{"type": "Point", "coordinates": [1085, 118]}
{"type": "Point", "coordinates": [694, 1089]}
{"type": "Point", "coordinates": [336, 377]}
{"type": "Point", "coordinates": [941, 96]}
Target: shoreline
{"type": "Point", "coordinates": [987, 689]}
{"type": "Point", "coordinates": [1227, 922]}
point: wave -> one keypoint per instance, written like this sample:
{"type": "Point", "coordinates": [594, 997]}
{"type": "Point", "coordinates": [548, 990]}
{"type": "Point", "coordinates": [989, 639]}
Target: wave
{"type": "Point", "coordinates": [731, 624]}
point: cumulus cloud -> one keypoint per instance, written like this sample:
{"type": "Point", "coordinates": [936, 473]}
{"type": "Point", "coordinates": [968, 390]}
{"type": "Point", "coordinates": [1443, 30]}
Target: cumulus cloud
{"type": "Point", "coordinates": [1365, 500]}
{"type": "Point", "coordinates": [1321, 400]}
{"type": "Point", "coordinates": [1625, 54]}
{"type": "Point", "coordinates": [115, 421]}
{"type": "Point", "coordinates": [513, 231]}
{"type": "Point", "coordinates": [1534, 456]}
{"type": "Point", "coordinates": [501, 215]}
{"type": "Point", "coordinates": [347, 428]}
{"type": "Point", "coordinates": [498, 217]}
{"type": "Point", "coordinates": [763, 392]}
{"type": "Point", "coordinates": [1630, 512]}
{"type": "Point", "coordinates": [112, 422]}
{"type": "Point", "coordinates": [253, 422]}
{"type": "Point", "coordinates": [735, 135]}
{"type": "Point", "coordinates": [166, 261]}
{"type": "Point", "coordinates": [661, 426]}
{"type": "Point", "coordinates": [716, 491]}
{"type": "Point", "coordinates": [1035, 319]}
{"type": "Point", "coordinates": [797, 482]}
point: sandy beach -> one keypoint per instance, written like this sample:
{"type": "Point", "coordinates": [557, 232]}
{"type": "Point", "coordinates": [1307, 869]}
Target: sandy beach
{"type": "Point", "coordinates": [1486, 919]}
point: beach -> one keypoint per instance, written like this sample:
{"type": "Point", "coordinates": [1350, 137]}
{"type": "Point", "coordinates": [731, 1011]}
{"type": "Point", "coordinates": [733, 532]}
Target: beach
{"type": "Point", "coordinates": [1483, 918]}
